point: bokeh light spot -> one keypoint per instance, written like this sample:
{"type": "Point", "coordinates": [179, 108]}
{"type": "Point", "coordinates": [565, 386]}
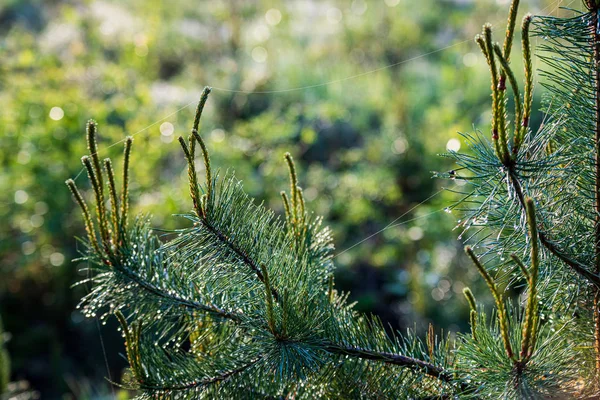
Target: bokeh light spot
{"type": "Point", "coordinates": [273, 16]}
{"type": "Point", "coordinates": [415, 233]}
{"type": "Point", "coordinates": [56, 113]}
{"type": "Point", "coordinates": [259, 54]}
{"type": "Point", "coordinates": [453, 145]}
{"type": "Point", "coordinates": [21, 197]}
{"type": "Point", "coordinates": [57, 259]}
{"type": "Point", "coordinates": [399, 146]}
{"type": "Point", "coordinates": [166, 129]}
{"type": "Point", "coordinates": [28, 248]}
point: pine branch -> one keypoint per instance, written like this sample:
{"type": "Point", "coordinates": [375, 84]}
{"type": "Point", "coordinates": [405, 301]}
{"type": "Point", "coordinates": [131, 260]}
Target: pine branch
{"type": "Point", "coordinates": [528, 89]}
{"type": "Point", "coordinates": [502, 314]}
{"type": "Point", "coordinates": [594, 27]}
{"type": "Point", "coordinates": [223, 376]}
{"type": "Point", "coordinates": [390, 358]}
{"type": "Point", "coordinates": [575, 265]}
{"type": "Point", "coordinates": [157, 292]}
{"type": "Point", "coordinates": [96, 179]}
{"type": "Point", "coordinates": [565, 220]}
{"type": "Point", "coordinates": [114, 205]}
{"type": "Point", "coordinates": [125, 189]}
{"type": "Point", "coordinates": [89, 225]}
{"type": "Point", "coordinates": [240, 253]}
{"type": "Point", "coordinates": [94, 170]}
{"type": "Point", "coordinates": [528, 342]}
{"type": "Point", "coordinates": [225, 261]}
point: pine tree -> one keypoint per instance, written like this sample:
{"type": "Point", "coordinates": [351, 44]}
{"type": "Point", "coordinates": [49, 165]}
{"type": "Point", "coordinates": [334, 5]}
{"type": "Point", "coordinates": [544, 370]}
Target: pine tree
{"type": "Point", "coordinates": [242, 303]}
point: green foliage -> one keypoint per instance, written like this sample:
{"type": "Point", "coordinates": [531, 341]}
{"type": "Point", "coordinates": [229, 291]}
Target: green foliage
{"type": "Point", "coordinates": [241, 304]}
{"type": "Point", "coordinates": [535, 197]}
{"type": "Point", "coordinates": [392, 123]}
{"type": "Point", "coordinates": [250, 295]}
{"type": "Point", "coordinates": [366, 145]}
{"type": "Point", "coordinates": [550, 373]}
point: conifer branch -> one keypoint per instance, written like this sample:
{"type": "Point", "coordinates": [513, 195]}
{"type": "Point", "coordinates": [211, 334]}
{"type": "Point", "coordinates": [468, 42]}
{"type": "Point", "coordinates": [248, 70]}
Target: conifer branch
{"type": "Point", "coordinates": [91, 130]}
{"type": "Point", "coordinates": [390, 358]}
{"type": "Point", "coordinates": [528, 89]}
{"type": "Point", "coordinates": [186, 303]}
{"type": "Point", "coordinates": [221, 377]}
{"type": "Point", "coordinates": [470, 298]}
{"type": "Point", "coordinates": [575, 265]}
{"type": "Point", "coordinates": [114, 204]}
{"type": "Point", "coordinates": [269, 295]}
{"type": "Point", "coordinates": [206, 158]}
{"type": "Point", "coordinates": [510, 29]}
{"type": "Point", "coordinates": [522, 267]}
{"type": "Point", "coordinates": [485, 43]}
{"type": "Point", "coordinates": [193, 178]}
{"type": "Point", "coordinates": [195, 194]}
{"type": "Point", "coordinates": [167, 292]}
{"type": "Point", "coordinates": [100, 210]}
{"type": "Point", "coordinates": [515, 88]}
{"type": "Point", "coordinates": [89, 225]}
{"type": "Point", "coordinates": [239, 252]}
{"type": "Point", "coordinates": [498, 96]}
{"type": "Point", "coordinates": [125, 189]}
{"type": "Point", "coordinates": [286, 205]}
{"type": "Point", "coordinates": [502, 316]}
{"type": "Point", "coordinates": [560, 165]}
{"type": "Point", "coordinates": [593, 7]}
{"type": "Point", "coordinates": [331, 347]}
{"type": "Point", "coordinates": [293, 186]}
{"type": "Point", "coordinates": [203, 97]}
{"type": "Point", "coordinates": [531, 308]}
{"type": "Point", "coordinates": [301, 206]}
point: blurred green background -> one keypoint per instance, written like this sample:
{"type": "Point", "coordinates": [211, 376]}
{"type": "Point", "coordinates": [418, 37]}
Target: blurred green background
{"type": "Point", "coordinates": [364, 94]}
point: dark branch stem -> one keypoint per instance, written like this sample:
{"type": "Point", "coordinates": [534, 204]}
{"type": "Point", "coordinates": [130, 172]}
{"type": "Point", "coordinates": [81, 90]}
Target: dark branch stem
{"type": "Point", "coordinates": [575, 265]}
{"type": "Point", "coordinates": [240, 253]}
{"type": "Point", "coordinates": [391, 358]}
{"type": "Point", "coordinates": [357, 352]}
{"type": "Point", "coordinates": [183, 302]}
{"type": "Point", "coordinates": [223, 376]}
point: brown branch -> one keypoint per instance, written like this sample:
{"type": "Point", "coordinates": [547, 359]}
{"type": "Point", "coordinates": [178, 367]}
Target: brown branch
{"type": "Point", "coordinates": [240, 253]}
{"type": "Point", "coordinates": [223, 376]}
{"type": "Point", "coordinates": [391, 358]}
{"type": "Point", "coordinates": [575, 265]}
{"type": "Point", "coordinates": [210, 308]}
